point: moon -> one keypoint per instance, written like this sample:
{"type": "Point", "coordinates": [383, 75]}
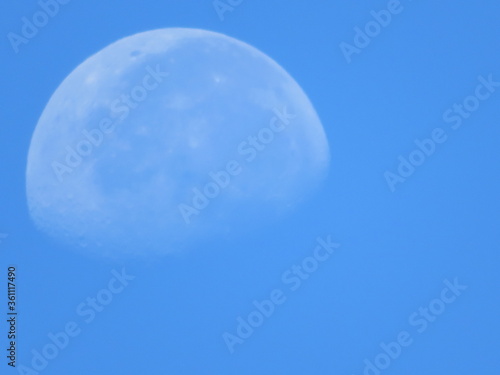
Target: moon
{"type": "Point", "coordinates": [168, 138]}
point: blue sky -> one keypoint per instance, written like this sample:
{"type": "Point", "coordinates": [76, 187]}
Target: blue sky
{"type": "Point", "coordinates": [396, 250]}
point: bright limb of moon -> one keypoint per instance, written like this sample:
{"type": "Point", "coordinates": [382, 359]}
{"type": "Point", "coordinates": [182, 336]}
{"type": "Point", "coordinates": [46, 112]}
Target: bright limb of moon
{"type": "Point", "coordinates": [139, 129]}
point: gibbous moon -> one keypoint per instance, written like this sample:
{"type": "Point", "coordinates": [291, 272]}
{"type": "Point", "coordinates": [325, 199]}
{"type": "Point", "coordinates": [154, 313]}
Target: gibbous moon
{"type": "Point", "coordinates": [168, 138]}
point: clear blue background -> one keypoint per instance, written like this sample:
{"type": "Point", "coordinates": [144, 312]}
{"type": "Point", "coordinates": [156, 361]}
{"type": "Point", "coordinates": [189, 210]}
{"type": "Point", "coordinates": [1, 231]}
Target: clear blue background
{"type": "Point", "coordinates": [396, 248]}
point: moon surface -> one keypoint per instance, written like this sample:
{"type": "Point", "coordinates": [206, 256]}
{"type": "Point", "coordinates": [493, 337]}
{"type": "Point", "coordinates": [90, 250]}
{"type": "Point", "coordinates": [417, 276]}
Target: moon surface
{"type": "Point", "coordinates": [168, 138]}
